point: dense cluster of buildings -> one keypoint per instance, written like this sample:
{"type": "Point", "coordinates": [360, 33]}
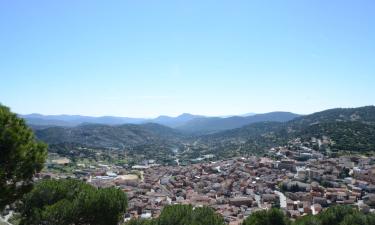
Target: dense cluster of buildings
{"type": "Point", "coordinates": [300, 181]}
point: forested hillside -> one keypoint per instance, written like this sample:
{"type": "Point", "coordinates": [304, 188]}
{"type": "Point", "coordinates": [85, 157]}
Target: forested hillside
{"type": "Point", "coordinates": [342, 129]}
{"type": "Point", "coordinates": [97, 135]}
{"type": "Point", "coordinates": [345, 129]}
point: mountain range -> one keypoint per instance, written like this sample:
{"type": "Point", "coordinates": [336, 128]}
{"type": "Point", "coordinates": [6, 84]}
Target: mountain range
{"type": "Point", "coordinates": [75, 120]}
{"type": "Point", "coordinates": [184, 122]}
{"type": "Point", "coordinates": [348, 129]}
{"type": "Point", "coordinates": [215, 124]}
{"type": "Point", "coordinates": [341, 129]}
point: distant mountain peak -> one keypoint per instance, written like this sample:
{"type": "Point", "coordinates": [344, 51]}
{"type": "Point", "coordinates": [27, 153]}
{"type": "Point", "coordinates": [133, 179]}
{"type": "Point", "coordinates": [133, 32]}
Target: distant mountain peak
{"type": "Point", "coordinates": [215, 124]}
{"type": "Point", "coordinates": [186, 120]}
{"type": "Point", "coordinates": [248, 114]}
{"type": "Point", "coordinates": [185, 114]}
{"type": "Point", "coordinates": [163, 117]}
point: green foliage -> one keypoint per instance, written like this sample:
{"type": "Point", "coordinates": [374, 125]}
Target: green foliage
{"type": "Point", "coordinates": [361, 114]}
{"type": "Point", "coordinates": [308, 220]}
{"type": "Point", "coordinates": [174, 215]}
{"type": "Point", "coordinates": [65, 202]}
{"type": "Point", "coordinates": [334, 215]}
{"type": "Point", "coordinates": [354, 219]}
{"type": "Point", "coordinates": [183, 215]}
{"type": "Point", "coordinates": [142, 222]}
{"type": "Point", "coordinates": [294, 188]}
{"type": "Point", "coordinates": [21, 156]}
{"type": "Point", "coordinates": [344, 173]}
{"type": "Point", "coordinates": [338, 215]}
{"type": "Point", "coordinates": [267, 217]}
{"type": "Point", "coordinates": [205, 215]}
{"type": "Point", "coordinates": [351, 130]}
{"type": "Point", "coordinates": [15, 219]}
{"type": "Point", "coordinates": [348, 129]}
{"type": "Point", "coordinates": [347, 136]}
{"type": "Point", "coordinates": [103, 136]}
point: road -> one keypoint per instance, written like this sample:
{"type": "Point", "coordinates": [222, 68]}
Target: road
{"type": "Point", "coordinates": [3, 221]}
{"type": "Point", "coordinates": [282, 199]}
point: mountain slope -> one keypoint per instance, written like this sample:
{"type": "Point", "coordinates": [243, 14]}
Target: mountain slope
{"type": "Point", "coordinates": [216, 124]}
{"type": "Point", "coordinates": [175, 121]}
{"type": "Point", "coordinates": [341, 129]}
{"type": "Point", "coordinates": [347, 136]}
{"type": "Point", "coordinates": [75, 120]}
{"type": "Point", "coordinates": [345, 129]}
{"type": "Point", "coordinates": [364, 114]}
{"type": "Point", "coordinates": [97, 135]}
{"type": "Point", "coordinates": [38, 120]}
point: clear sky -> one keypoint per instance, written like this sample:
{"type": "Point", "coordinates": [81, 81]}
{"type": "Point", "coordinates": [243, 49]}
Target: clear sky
{"type": "Point", "coordinates": [146, 58]}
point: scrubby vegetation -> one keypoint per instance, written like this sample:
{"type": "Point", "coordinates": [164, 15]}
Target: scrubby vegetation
{"type": "Point", "coordinates": [267, 217]}
{"type": "Point", "coordinates": [337, 215]}
{"type": "Point", "coordinates": [182, 215]}
{"type": "Point", "coordinates": [350, 130]}
{"type": "Point", "coordinates": [337, 130]}
{"type": "Point", "coordinates": [187, 215]}
{"type": "Point", "coordinates": [21, 156]}
{"type": "Point", "coordinates": [65, 202]}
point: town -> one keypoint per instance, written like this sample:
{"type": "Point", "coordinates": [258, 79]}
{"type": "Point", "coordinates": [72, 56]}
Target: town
{"type": "Point", "coordinates": [187, 112]}
{"type": "Point", "coordinates": [294, 178]}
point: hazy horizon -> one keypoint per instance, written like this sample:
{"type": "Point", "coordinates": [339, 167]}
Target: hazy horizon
{"type": "Point", "coordinates": [243, 114]}
{"type": "Point", "coordinates": [213, 58]}
{"type": "Point", "coordinates": [176, 115]}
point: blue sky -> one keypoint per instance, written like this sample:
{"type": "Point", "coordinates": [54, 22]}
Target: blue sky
{"type": "Point", "coordinates": [146, 58]}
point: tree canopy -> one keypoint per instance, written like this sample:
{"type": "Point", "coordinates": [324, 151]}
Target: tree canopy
{"type": "Point", "coordinates": [336, 215]}
{"type": "Point", "coordinates": [69, 201]}
{"type": "Point", "coordinates": [267, 217]}
{"type": "Point", "coordinates": [21, 156]}
{"type": "Point", "coordinates": [183, 215]}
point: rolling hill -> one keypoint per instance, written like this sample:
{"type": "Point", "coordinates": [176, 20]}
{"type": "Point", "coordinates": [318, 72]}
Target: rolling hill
{"type": "Point", "coordinates": [343, 129]}
{"type": "Point", "coordinates": [75, 120]}
{"type": "Point", "coordinates": [216, 124]}
{"type": "Point", "coordinates": [43, 121]}
{"type": "Point", "coordinates": [105, 136]}
{"type": "Point", "coordinates": [193, 124]}
{"type": "Point", "coordinates": [175, 121]}
{"type": "Point", "coordinates": [351, 129]}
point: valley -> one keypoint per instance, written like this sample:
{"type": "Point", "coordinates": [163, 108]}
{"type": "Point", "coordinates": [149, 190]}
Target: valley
{"type": "Point", "coordinates": [331, 132]}
{"type": "Point", "coordinates": [300, 164]}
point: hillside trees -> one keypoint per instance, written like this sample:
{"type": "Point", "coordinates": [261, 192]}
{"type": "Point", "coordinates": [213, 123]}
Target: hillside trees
{"type": "Point", "coordinates": [183, 215]}
{"type": "Point", "coordinates": [267, 217]}
{"type": "Point", "coordinates": [336, 215]}
{"type": "Point", "coordinates": [21, 156]}
{"type": "Point", "coordinates": [65, 202]}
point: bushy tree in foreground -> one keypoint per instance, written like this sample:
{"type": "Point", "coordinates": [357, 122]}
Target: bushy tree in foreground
{"type": "Point", "coordinates": [267, 217]}
{"type": "Point", "coordinates": [334, 215]}
{"type": "Point", "coordinates": [66, 202]}
{"type": "Point", "coordinates": [338, 215]}
{"type": "Point", "coordinates": [21, 156]}
{"type": "Point", "coordinates": [183, 215]}
{"type": "Point", "coordinates": [308, 220]}
{"type": "Point", "coordinates": [142, 222]}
